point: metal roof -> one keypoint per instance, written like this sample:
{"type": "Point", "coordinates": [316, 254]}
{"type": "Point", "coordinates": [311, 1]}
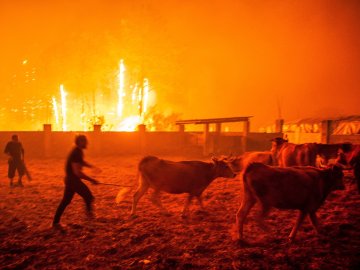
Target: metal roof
{"type": "Point", "coordinates": [315, 120]}
{"type": "Point", "coordinates": [213, 120]}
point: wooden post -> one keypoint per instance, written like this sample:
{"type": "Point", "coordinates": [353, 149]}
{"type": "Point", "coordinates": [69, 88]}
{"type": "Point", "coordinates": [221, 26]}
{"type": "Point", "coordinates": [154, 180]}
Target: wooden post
{"type": "Point", "coordinates": [217, 138]}
{"type": "Point", "coordinates": [245, 134]}
{"type": "Point", "coordinates": [47, 140]}
{"type": "Point", "coordinates": [326, 131]}
{"type": "Point", "coordinates": [279, 123]}
{"type": "Point", "coordinates": [182, 138]}
{"type": "Point", "coordinates": [206, 149]}
{"type": "Point", "coordinates": [97, 128]}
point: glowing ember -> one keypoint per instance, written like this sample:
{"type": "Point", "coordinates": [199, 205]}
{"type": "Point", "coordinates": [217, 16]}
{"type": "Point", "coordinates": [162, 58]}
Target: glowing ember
{"type": "Point", "coordinates": [55, 109]}
{"type": "Point", "coordinates": [121, 93]}
{"type": "Point", "coordinates": [131, 107]}
{"type": "Point", "coordinates": [129, 124]}
{"type": "Point", "coordinates": [145, 96]}
{"type": "Point", "coordinates": [63, 107]}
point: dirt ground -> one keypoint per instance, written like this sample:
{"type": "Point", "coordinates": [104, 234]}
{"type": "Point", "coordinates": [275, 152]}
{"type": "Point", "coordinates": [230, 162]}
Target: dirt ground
{"type": "Point", "coordinates": [114, 240]}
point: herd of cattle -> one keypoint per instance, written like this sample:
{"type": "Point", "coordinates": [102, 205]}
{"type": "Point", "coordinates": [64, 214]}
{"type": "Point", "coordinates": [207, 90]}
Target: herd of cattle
{"type": "Point", "coordinates": [289, 176]}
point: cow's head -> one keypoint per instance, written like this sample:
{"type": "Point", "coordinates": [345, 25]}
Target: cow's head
{"type": "Point", "coordinates": [276, 143]}
{"type": "Point", "coordinates": [336, 177]}
{"type": "Point", "coordinates": [235, 163]}
{"type": "Point", "coordinates": [222, 168]}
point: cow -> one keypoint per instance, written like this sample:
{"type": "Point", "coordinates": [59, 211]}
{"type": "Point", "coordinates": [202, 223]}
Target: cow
{"type": "Point", "coordinates": [239, 163]}
{"type": "Point", "coordinates": [331, 151]}
{"type": "Point", "coordinates": [289, 154]}
{"type": "Point", "coordinates": [301, 188]}
{"type": "Point", "coordinates": [350, 159]}
{"type": "Point", "coordinates": [191, 177]}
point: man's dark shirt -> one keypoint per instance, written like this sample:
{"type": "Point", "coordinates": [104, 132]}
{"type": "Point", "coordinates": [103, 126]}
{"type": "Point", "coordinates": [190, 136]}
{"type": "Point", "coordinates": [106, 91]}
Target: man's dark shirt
{"type": "Point", "coordinates": [76, 156]}
{"type": "Point", "coordinates": [14, 149]}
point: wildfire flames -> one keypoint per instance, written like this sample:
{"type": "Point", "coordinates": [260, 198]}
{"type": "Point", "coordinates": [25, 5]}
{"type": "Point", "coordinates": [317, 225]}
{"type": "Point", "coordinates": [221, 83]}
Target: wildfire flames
{"type": "Point", "coordinates": [124, 114]}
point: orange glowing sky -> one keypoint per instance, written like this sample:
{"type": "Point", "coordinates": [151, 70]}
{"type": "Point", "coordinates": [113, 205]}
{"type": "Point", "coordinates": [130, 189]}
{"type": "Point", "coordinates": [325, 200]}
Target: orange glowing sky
{"type": "Point", "coordinates": [205, 59]}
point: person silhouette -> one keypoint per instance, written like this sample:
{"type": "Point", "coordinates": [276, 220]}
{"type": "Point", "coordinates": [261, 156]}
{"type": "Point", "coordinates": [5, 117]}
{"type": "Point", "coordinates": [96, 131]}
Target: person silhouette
{"type": "Point", "coordinates": [73, 184]}
{"type": "Point", "coordinates": [15, 151]}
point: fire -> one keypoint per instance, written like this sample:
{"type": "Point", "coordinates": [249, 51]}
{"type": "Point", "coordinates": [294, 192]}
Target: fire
{"type": "Point", "coordinates": [145, 98]}
{"type": "Point", "coordinates": [130, 108]}
{"type": "Point", "coordinates": [130, 123]}
{"type": "Point", "coordinates": [121, 93]}
{"type": "Point", "coordinates": [63, 107]}
{"type": "Point", "coordinates": [55, 109]}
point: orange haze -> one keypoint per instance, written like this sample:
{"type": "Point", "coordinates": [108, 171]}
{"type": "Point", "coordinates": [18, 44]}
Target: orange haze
{"type": "Point", "coordinates": [204, 59]}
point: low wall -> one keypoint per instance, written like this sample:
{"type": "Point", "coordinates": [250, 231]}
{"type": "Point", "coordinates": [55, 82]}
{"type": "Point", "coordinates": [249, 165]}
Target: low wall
{"type": "Point", "coordinates": [354, 139]}
{"type": "Point", "coordinates": [260, 141]}
{"type": "Point", "coordinates": [302, 137]}
{"type": "Point", "coordinates": [57, 144]}
{"type": "Point", "coordinates": [299, 138]}
{"type": "Point", "coordinates": [42, 144]}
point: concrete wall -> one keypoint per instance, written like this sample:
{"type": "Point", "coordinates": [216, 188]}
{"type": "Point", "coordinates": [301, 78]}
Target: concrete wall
{"type": "Point", "coordinates": [302, 137]}
{"type": "Point", "coordinates": [260, 141]}
{"type": "Point", "coordinates": [355, 139]}
{"type": "Point", "coordinates": [58, 144]}
{"type": "Point", "coordinates": [33, 142]}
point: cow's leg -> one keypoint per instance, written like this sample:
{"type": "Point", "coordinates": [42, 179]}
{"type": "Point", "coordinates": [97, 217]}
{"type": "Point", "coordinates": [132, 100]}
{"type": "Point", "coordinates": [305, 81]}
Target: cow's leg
{"type": "Point", "coordinates": [314, 221]}
{"type": "Point", "coordinates": [247, 203]}
{"type": "Point", "coordinates": [299, 220]}
{"type": "Point", "coordinates": [155, 199]}
{"type": "Point", "coordinates": [138, 194]}
{"type": "Point", "coordinates": [260, 219]}
{"type": "Point", "coordinates": [187, 205]}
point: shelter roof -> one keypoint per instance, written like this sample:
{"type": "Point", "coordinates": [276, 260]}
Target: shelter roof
{"type": "Point", "coordinates": [213, 120]}
{"type": "Point", "coordinates": [315, 120]}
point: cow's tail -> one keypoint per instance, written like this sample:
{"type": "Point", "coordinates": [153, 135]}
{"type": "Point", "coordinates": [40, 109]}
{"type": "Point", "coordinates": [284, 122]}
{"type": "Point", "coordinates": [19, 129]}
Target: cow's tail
{"type": "Point", "coordinates": [122, 193]}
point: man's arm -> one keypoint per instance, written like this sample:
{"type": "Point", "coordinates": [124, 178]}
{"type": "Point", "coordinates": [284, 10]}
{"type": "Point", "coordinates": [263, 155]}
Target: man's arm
{"type": "Point", "coordinates": [22, 152]}
{"type": "Point", "coordinates": [6, 150]}
{"type": "Point", "coordinates": [87, 164]}
{"type": "Point", "coordinates": [77, 169]}
{"type": "Point", "coordinates": [93, 167]}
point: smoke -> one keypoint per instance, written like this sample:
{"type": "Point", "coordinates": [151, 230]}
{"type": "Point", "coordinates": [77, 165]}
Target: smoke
{"type": "Point", "coordinates": [203, 59]}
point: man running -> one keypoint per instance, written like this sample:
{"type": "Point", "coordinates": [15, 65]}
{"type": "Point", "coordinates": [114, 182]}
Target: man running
{"type": "Point", "coordinates": [73, 184]}
{"type": "Point", "coordinates": [15, 151]}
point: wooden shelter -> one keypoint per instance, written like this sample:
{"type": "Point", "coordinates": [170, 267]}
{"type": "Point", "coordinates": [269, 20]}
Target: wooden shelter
{"type": "Point", "coordinates": [209, 141]}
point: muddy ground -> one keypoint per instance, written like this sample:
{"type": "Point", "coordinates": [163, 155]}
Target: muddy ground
{"type": "Point", "coordinates": [114, 240]}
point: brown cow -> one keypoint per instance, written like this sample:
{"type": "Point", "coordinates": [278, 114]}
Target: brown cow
{"type": "Point", "coordinates": [191, 177]}
{"type": "Point", "coordinates": [301, 188]}
{"type": "Point", "coordinates": [289, 154]}
{"type": "Point", "coordinates": [331, 151]}
{"type": "Point", "coordinates": [239, 163]}
{"type": "Point", "coordinates": [350, 159]}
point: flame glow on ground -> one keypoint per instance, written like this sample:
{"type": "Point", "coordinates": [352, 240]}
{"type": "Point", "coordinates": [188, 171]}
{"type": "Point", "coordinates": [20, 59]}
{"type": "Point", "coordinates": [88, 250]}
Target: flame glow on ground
{"type": "Point", "coordinates": [124, 114]}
